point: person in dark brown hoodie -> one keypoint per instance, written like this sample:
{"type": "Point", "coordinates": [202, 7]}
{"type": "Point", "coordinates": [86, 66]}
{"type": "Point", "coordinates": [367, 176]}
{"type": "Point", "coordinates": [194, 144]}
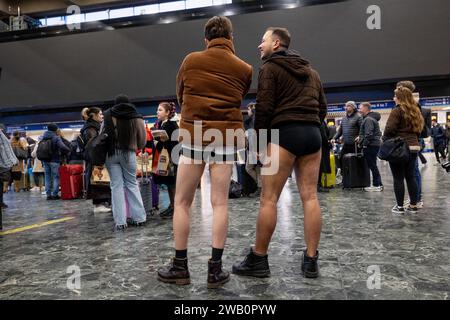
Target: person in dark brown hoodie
{"type": "Point", "coordinates": [291, 99]}
{"type": "Point", "coordinates": [210, 87]}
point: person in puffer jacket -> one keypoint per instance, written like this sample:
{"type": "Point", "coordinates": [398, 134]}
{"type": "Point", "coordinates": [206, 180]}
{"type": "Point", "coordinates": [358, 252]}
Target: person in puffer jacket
{"type": "Point", "coordinates": [349, 129]}
{"type": "Point", "coordinates": [370, 140]}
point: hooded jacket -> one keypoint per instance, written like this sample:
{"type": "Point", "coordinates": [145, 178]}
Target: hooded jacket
{"type": "Point", "coordinates": [58, 146]}
{"type": "Point", "coordinates": [438, 134]}
{"type": "Point", "coordinates": [370, 133]}
{"type": "Point", "coordinates": [289, 90]}
{"type": "Point", "coordinates": [90, 130]}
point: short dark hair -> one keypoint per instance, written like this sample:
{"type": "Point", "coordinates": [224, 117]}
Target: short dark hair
{"type": "Point", "coordinates": [282, 34]}
{"type": "Point", "coordinates": [367, 105]}
{"type": "Point", "coordinates": [218, 27]}
{"type": "Point", "coordinates": [407, 84]}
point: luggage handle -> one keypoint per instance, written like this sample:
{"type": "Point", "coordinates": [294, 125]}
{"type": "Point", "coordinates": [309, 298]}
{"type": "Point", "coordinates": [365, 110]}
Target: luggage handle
{"type": "Point", "coordinates": [142, 165]}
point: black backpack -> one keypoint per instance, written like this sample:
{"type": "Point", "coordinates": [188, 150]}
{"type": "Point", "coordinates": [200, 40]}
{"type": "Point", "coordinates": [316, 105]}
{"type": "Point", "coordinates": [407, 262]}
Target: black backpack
{"type": "Point", "coordinates": [426, 131]}
{"type": "Point", "coordinates": [235, 190]}
{"type": "Point", "coordinates": [44, 151]}
{"type": "Point", "coordinates": [77, 147]}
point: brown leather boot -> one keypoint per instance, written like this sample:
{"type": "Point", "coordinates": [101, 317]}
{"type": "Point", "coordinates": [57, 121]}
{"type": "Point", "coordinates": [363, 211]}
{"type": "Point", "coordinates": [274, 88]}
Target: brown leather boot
{"type": "Point", "coordinates": [216, 276]}
{"type": "Point", "coordinates": [177, 272]}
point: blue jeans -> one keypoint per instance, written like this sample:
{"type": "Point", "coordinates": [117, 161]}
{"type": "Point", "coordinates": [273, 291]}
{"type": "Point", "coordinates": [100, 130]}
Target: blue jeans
{"type": "Point", "coordinates": [51, 172]}
{"type": "Point", "coordinates": [370, 154]}
{"type": "Point", "coordinates": [419, 180]}
{"type": "Point", "coordinates": [122, 171]}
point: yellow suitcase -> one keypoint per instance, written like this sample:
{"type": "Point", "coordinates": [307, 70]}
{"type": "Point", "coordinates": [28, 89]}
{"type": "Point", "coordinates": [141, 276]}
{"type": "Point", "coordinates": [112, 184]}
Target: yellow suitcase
{"type": "Point", "coordinates": [328, 180]}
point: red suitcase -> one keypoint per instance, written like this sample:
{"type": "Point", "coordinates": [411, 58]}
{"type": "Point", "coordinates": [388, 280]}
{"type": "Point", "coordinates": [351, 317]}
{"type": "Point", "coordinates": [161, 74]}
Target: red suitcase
{"type": "Point", "coordinates": [71, 181]}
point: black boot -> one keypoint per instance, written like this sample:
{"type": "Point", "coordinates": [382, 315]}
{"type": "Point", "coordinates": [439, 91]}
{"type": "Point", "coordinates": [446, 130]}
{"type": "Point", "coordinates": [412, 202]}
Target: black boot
{"type": "Point", "coordinates": [253, 265]}
{"type": "Point", "coordinates": [177, 272]}
{"type": "Point", "coordinates": [216, 276]}
{"type": "Point", "coordinates": [310, 267]}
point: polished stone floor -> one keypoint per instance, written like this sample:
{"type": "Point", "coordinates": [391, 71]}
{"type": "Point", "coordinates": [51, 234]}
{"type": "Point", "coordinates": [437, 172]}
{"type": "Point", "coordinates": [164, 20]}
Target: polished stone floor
{"type": "Point", "coordinates": [360, 236]}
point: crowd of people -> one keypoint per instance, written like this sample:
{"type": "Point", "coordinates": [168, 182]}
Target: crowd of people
{"type": "Point", "coordinates": [210, 86]}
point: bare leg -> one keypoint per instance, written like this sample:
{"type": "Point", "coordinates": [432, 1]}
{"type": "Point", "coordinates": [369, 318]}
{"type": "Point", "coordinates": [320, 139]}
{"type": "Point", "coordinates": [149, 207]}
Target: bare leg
{"type": "Point", "coordinates": [220, 185]}
{"type": "Point", "coordinates": [307, 171]}
{"type": "Point", "coordinates": [272, 186]}
{"type": "Point", "coordinates": [188, 178]}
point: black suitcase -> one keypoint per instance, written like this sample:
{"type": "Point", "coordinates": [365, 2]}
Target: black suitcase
{"type": "Point", "coordinates": [249, 185]}
{"type": "Point", "coordinates": [356, 172]}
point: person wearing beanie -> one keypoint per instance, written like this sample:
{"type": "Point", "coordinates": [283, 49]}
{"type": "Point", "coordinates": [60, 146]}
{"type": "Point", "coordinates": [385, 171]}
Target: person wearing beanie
{"type": "Point", "coordinates": [51, 169]}
{"type": "Point", "coordinates": [125, 128]}
{"type": "Point", "coordinates": [349, 130]}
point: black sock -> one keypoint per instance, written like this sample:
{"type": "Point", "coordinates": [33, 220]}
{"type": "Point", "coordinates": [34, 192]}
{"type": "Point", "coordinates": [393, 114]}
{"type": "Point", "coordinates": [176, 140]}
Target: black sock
{"type": "Point", "coordinates": [181, 254]}
{"type": "Point", "coordinates": [216, 254]}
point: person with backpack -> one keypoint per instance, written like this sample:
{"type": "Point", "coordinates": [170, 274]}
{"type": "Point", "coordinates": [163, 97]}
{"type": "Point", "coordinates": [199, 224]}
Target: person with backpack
{"type": "Point", "coordinates": [49, 152]}
{"type": "Point", "coordinates": [125, 129]}
{"type": "Point", "coordinates": [100, 194]}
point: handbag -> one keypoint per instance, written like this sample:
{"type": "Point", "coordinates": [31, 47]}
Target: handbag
{"type": "Point", "coordinates": [100, 176]}
{"type": "Point", "coordinates": [394, 150]}
{"type": "Point", "coordinates": [96, 149]}
{"type": "Point", "coordinates": [20, 153]}
{"type": "Point", "coordinates": [164, 167]}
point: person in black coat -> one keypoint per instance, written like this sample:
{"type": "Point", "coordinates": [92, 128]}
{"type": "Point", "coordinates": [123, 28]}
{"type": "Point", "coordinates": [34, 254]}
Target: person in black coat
{"type": "Point", "coordinates": [166, 111]}
{"type": "Point", "coordinates": [100, 194]}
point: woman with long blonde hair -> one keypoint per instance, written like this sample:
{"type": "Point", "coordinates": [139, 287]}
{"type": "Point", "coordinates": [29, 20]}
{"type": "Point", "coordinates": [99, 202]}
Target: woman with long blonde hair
{"type": "Point", "coordinates": [405, 121]}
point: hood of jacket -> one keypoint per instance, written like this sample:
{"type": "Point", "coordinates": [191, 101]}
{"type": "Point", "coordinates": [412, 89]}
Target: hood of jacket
{"type": "Point", "coordinates": [90, 123]}
{"type": "Point", "coordinates": [49, 135]}
{"type": "Point", "coordinates": [292, 62]}
{"type": "Point", "coordinates": [374, 115]}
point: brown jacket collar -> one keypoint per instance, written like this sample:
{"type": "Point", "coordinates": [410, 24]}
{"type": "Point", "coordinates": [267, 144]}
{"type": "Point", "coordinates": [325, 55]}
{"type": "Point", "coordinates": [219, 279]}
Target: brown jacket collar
{"type": "Point", "coordinates": [222, 43]}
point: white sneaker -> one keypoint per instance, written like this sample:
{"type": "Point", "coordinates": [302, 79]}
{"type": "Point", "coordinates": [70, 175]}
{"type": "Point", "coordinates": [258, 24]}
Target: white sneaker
{"type": "Point", "coordinates": [101, 209]}
{"type": "Point", "coordinates": [419, 204]}
{"type": "Point", "coordinates": [374, 189]}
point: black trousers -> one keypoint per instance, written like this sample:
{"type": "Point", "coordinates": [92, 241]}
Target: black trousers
{"type": "Point", "coordinates": [401, 172]}
{"type": "Point", "coordinates": [440, 148]}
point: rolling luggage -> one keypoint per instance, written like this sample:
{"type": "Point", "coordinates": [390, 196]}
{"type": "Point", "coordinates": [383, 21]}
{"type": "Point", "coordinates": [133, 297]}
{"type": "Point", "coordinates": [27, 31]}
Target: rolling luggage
{"type": "Point", "coordinates": [328, 180]}
{"type": "Point", "coordinates": [356, 173]}
{"type": "Point", "coordinates": [71, 181]}
{"type": "Point", "coordinates": [145, 187]}
{"type": "Point", "coordinates": [249, 185]}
